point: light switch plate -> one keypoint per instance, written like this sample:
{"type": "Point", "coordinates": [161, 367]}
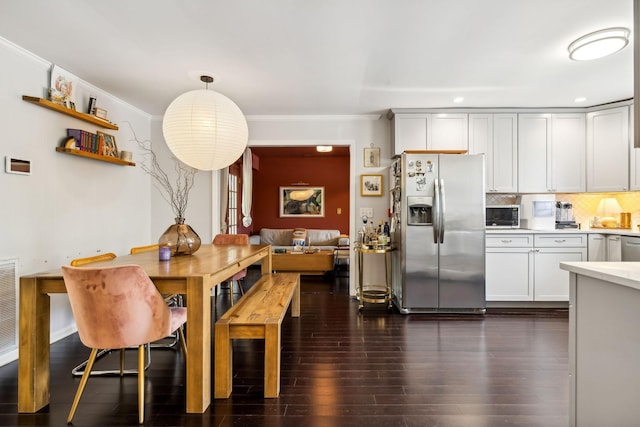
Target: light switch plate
{"type": "Point", "coordinates": [366, 211]}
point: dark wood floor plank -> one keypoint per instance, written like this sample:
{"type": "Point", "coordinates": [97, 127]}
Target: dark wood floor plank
{"type": "Point", "coordinates": [342, 368]}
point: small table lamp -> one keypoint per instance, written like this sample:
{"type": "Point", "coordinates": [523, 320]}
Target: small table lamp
{"type": "Point", "coordinates": [608, 210]}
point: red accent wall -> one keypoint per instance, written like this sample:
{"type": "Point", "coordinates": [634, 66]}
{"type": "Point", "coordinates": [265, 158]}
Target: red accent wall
{"type": "Point", "coordinates": [331, 172]}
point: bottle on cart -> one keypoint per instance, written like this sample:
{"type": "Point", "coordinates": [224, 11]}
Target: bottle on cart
{"type": "Point", "coordinates": [386, 232]}
{"type": "Point", "coordinates": [382, 238]}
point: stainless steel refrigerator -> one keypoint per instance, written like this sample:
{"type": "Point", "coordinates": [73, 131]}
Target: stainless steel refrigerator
{"type": "Point", "coordinates": [439, 233]}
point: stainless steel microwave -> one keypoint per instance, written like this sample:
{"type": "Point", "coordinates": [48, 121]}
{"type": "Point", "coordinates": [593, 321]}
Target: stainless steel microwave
{"type": "Point", "coordinates": [503, 216]}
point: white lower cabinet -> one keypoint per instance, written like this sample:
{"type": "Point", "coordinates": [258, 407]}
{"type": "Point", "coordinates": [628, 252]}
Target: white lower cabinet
{"type": "Point", "coordinates": [509, 267]}
{"type": "Point", "coordinates": [614, 248]}
{"type": "Point", "coordinates": [597, 248]}
{"type": "Point", "coordinates": [603, 247]}
{"type": "Point", "coordinates": [526, 267]}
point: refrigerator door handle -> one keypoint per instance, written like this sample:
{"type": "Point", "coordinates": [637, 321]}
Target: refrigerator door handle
{"type": "Point", "coordinates": [441, 208]}
{"type": "Point", "coordinates": [436, 211]}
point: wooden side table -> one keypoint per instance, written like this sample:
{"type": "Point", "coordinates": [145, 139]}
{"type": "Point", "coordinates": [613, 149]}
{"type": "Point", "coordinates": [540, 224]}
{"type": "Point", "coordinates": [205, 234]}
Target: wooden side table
{"type": "Point", "coordinates": [305, 263]}
{"type": "Point", "coordinates": [379, 293]}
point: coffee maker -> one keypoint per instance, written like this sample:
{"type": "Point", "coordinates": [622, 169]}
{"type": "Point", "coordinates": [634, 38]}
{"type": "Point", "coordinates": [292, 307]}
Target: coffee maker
{"type": "Point", "coordinates": [564, 216]}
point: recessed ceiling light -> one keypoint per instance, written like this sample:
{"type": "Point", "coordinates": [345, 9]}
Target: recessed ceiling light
{"type": "Point", "coordinates": [599, 44]}
{"type": "Point", "coordinates": [324, 148]}
{"type": "Point", "coordinates": [458, 99]}
{"type": "Point", "coordinates": [580, 99]}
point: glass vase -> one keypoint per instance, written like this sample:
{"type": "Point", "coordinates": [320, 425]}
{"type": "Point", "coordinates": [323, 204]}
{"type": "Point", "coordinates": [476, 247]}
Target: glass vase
{"type": "Point", "coordinates": [180, 238]}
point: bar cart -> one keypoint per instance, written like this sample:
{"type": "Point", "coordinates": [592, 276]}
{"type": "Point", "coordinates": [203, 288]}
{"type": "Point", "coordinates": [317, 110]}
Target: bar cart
{"type": "Point", "coordinates": [379, 293]}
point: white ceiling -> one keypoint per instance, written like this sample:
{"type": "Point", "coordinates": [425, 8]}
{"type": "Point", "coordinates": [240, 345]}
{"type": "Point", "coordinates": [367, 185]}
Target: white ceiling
{"type": "Point", "coordinates": [337, 57]}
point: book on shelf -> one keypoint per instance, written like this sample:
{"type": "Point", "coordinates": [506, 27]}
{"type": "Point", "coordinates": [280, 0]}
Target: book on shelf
{"type": "Point", "coordinates": [92, 105]}
{"type": "Point", "coordinates": [85, 141]}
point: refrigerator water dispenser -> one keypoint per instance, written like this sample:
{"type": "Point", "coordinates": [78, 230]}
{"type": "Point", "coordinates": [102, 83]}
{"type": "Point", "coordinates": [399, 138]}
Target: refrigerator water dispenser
{"type": "Point", "coordinates": [419, 210]}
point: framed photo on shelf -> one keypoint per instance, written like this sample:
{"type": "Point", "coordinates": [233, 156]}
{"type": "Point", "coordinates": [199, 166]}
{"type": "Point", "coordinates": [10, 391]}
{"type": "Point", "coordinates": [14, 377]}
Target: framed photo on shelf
{"type": "Point", "coordinates": [371, 185]}
{"type": "Point", "coordinates": [109, 147]}
{"type": "Point", "coordinates": [100, 113]}
{"type": "Point", "coordinates": [62, 86]}
{"type": "Point", "coordinates": [296, 202]}
{"type": "Point", "coordinates": [372, 157]}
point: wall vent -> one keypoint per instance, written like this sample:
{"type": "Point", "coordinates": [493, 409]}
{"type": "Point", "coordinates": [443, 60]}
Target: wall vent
{"type": "Point", "coordinates": [8, 305]}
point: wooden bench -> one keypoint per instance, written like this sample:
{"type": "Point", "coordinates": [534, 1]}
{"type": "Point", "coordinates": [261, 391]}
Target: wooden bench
{"type": "Point", "coordinates": [258, 315]}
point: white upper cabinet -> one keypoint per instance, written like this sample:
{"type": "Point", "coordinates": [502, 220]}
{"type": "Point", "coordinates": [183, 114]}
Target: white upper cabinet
{"type": "Point", "coordinates": [410, 132]}
{"type": "Point", "coordinates": [441, 131]}
{"type": "Point", "coordinates": [551, 152]}
{"type": "Point", "coordinates": [568, 153]}
{"type": "Point", "coordinates": [534, 136]}
{"type": "Point", "coordinates": [634, 164]}
{"type": "Point", "coordinates": [495, 135]}
{"type": "Point", "coordinates": [608, 150]}
{"type": "Point", "coordinates": [448, 132]}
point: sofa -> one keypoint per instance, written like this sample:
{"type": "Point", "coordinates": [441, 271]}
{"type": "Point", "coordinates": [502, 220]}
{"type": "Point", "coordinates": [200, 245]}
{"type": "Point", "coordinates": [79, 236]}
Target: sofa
{"type": "Point", "coordinates": [281, 238]}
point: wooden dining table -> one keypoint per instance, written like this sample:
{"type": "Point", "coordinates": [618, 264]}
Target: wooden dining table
{"type": "Point", "coordinates": [191, 275]}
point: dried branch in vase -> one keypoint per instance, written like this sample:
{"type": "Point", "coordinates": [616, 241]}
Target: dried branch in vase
{"type": "Point", "coordinates": [176, 192]}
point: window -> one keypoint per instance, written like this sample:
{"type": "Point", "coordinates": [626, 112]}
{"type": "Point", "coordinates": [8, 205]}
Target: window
{"type": "Point", "coordinates": [232, 210]}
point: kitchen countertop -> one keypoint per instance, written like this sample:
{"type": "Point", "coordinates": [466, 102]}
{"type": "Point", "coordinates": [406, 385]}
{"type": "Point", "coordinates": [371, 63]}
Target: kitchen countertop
{"type": "Point", "coordinates": [617, 231]}
{"type": "Point", "coordinates": [620, 273]}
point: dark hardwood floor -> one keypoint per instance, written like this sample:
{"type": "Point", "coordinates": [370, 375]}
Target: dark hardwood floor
{"type": "Point", "coordinates": [341, 368]}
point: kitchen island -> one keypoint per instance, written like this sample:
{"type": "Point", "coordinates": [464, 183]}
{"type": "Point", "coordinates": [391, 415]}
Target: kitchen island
{"type": "Point", "coordinates": [604, 343]}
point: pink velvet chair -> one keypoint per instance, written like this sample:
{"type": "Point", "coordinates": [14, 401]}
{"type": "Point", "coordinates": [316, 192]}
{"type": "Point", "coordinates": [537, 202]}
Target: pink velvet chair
{"type": "Point", "coordinates": [118, 307]}
{"type": "Point", "coordinates": [232, 239]}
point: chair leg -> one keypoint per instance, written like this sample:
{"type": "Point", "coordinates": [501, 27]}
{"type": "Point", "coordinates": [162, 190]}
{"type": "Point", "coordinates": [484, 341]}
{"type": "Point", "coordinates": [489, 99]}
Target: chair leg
{"type": "Point", "coordinates": [79, 370]}
{"type": "Point", "coordinates": [122, 362]}
{"type": "Point", "coordinates": [219, 287]}
{"type": "Point", "coordinates": [183, 342]}
{"type": "Point", "coordinates": [83, 383]}
{"type": "Point", "coordinates": [141, 357]}
{"type": "Point", "coordinates": [240, 287]}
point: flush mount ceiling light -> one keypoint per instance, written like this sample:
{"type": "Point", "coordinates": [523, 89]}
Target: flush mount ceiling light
{"type": "Point", "coordinates": [205, 129]}
{"type": "Point", "coordinates": [324, 148]}
{"type": "Point", "coordinates": [599, 44]}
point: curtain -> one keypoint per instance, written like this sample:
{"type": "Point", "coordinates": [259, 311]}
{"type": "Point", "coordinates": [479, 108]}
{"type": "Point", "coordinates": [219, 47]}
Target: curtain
{"type": "Point", "coordinates": [224, 199]}
{"type": "Point", "coordinates": [247, 187]}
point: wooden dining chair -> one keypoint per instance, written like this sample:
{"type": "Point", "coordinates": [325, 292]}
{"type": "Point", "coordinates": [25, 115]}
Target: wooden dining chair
{"type": "Point", "coordinates": [141, 249]}
{"type": "Point", "coordinates": [118, 307]}
{"type": "Point", "coordinates": [88, 260]}
{"type": "Point", "coordinates": [232, 239]}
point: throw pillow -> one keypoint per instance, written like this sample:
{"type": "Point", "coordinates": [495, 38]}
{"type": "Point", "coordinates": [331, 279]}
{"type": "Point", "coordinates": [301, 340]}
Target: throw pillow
{"type": "Point", "coordinates": [298, 236]}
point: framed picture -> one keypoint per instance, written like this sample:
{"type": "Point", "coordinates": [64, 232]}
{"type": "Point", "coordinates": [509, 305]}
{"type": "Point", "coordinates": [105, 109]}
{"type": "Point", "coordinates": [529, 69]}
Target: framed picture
{"type": "Point", "coordinates": [371, 157]}
{"type": "Point", "coordinates": [109, 147]}
{"type": "Point", "coordinates": [62, 86]}
{"type": "Point", "coordinates": [301, 202]}
{"type": "Point", "coordinates": [100, 113]}
{"type": "Point", "coordinates": [371, 185]}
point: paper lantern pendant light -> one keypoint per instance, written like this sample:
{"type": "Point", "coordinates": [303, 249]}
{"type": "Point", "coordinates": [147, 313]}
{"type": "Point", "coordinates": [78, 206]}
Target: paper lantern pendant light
{"type": "Point", "coordinates": [205, 129]}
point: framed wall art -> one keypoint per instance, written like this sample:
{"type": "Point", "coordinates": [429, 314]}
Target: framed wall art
{"type": "Point", "coordinates": [301, 202]}
{"type": "Point", "coordinates": [371, 185]}
{"type": "Point", "coordinates": [371, 157]}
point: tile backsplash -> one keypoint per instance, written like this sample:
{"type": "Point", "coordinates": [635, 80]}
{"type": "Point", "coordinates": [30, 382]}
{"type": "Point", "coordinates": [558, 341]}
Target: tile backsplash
{"type": "Point", "coordinates": [584, 204]}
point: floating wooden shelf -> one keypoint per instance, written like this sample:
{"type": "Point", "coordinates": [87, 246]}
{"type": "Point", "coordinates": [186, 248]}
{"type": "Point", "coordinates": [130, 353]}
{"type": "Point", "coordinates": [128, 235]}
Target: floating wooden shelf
{"type": "Point", "coordinates": [94, 156]}
{"type": "Point", "coordinates": [69, 112]}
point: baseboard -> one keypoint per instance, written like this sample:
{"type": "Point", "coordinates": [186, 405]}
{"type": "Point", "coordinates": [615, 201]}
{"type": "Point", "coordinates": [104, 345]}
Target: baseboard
{"type": "Point", "coordinates": [12, 356]}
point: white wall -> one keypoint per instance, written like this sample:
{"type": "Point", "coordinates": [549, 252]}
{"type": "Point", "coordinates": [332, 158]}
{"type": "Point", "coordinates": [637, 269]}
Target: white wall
{"type": "Point", "coordinates": [69, 206]}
